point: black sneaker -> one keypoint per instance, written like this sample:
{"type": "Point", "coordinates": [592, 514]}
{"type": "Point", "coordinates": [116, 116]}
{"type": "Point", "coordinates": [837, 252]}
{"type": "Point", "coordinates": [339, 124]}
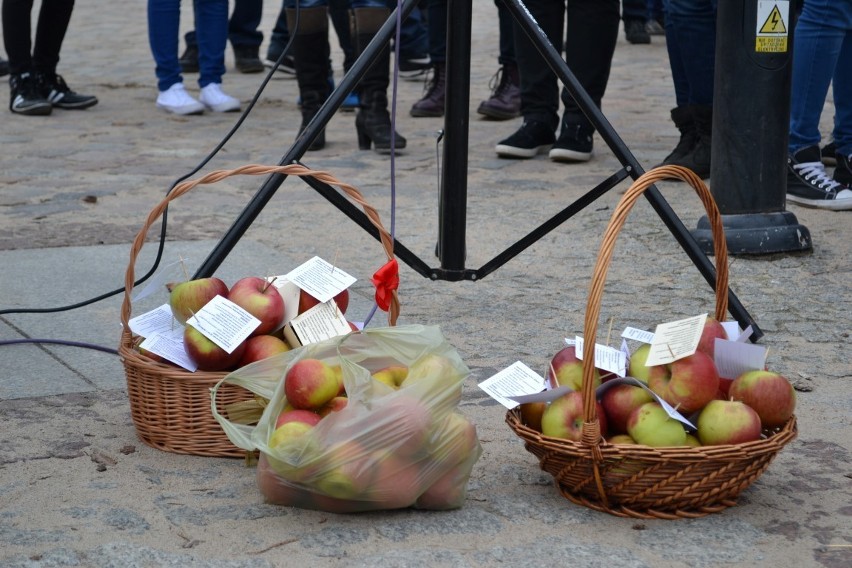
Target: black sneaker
{"type": "Point", "coordinates": [413, 67]}
{"type": "Point", "coordinates": [246, 59]}
{"type": "Point", "coordinates": [530, 139]}
{"type": "Point", "coordinates": [828, 154]}
{"type": "Point", "coordinates": [189, 60]}
{"type": "Point", "coordinates": [843, 171]}
{"type": "Point", "coordinates": [634, 31]}
{"type": "Point", "coordinates": [53, 88]}
{"type": "Point", "coordinates": [574, 144]}
{"type": "Point", "coordinates": [25, 97]}
{"type": "Point", "coordinates": [286, 68]}
{"type": "Point", "coordinates": [809, 185]}
{"type": "Point", "coordinates": [4, 67]}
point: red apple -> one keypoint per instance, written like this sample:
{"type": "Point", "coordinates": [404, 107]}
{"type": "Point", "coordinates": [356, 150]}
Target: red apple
{"type": "Point", "coordinates": [261, 299]}
{"type": "Point", "coordinates": [650, 425]}
{"type": "Point", "coordinates": [712, 330]}
{"type": "Point", "coordinates": [727, 422]}
{"type": "Point", "coordinates": [531, 414]}
{"type": "Point", "coordinates": [405, 421]}
{"type": "Point", "coordinates": [288, 432]}
{"type": "Point", "coordinates": [447, 492]}
{"type": "Point", "coordinates": [206, 354]}
{"type": "Point", "coordinates": [310, 383]}
{"type": "Point", "coordinates": [186, 298]}
{"type": "Point", "coordinates": [336, 404]}
{"type": "Point", "coordinates": [349, 472]}
{"type": "Point", "coordinates": [689, 384]}
{"type": "Point", "coordinates": [769, 394]}
{"type": "Point", "coordinates": [306, 416]}
{"type": "Point", "coordinates": [563, 417]}
{"type": "Point", "coordinates": [306, 301]}
{"type": "Point", "coordinates": [619, 401]}
{"type": "Point", "coordinates": [277, 490]}
{"type": "Point", "coordinates": [260, 347]}
{"type": "Point", "coordinates": [569, 370]}
{"type": "Point", "coordinates": [397, 482]}
{"type": "Point", "coordinates": [453, 441]}
{"type": "Point", "coordinates": [637, 368]}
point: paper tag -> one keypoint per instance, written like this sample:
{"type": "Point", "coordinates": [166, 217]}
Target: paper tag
{"type": "Point", "coordinates": [289, 292]}
{"type": "Point", "coordinates": [606, 358]}
{"type": "Point", "coordinates": [158, 320]}
{"type": "Point", "coordinates": [675, 340]}
{"type": "Point", "coordinates": [169, 346]}
{"type": "Point", "coordinates": [543, 396]}
{"type": "Point", "coordinates": [638, 335]}
{"type": "Point", "coordinates": [637, 383]}
{"type": "Point", "coordinates": [172, 272]}
{"type": "Point", "coordinates": [319, 323]}
{"type": "Point", "coordinates": [515, 380]}
{"type": "Point", "coordinates": [320, 279]}
{"type": "Point", "coordinates": [733, 358]}
{"type": "Point", "coordinates": [742, 337]}
{"type": "Point", "coordinates": [224, 323]}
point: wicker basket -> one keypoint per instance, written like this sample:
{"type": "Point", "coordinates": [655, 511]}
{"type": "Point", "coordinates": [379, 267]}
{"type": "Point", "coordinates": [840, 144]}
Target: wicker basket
{"type": "Point", "coordinates": [641, 481]}
{"type": "Point", "coordinates": [170, 407]}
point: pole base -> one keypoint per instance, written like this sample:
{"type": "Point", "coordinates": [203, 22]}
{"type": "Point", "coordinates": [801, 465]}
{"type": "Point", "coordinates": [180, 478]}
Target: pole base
{"type": "Point", "coordinates": [757, 234]}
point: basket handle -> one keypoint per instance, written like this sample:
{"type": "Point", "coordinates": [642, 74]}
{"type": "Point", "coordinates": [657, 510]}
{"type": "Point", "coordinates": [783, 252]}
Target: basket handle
{"type": "Point", "coordinates": [591, 428]}
{"type": "Point", "coordinates": [255, 170]}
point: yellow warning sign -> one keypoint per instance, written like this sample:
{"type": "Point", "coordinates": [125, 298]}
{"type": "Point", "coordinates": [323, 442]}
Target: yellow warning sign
{"type": "Point", "coordinates": [772, 26]}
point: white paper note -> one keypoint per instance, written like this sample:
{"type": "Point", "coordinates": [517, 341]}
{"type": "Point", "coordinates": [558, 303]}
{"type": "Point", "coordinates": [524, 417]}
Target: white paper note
{"type": "Point", "coordinates": [158, 320]}
{"type": "Point", "coordinates": [169, 346]}
{"type": "Point", "coordinates": [638, 335]}
{"type": "Point", "coordinates": [675, 340]}
{"type": "Point", "coordinates": [224, 323]}
{"type": "Point", "coordinates": [320, 279]}
{"type": "Point", "coordinates": [289, 292]}
{"type": "Point", "coordinates": [515, 380]}
{"type": "Point", "coordinates": [319, 323]}
{"type": "Point", "coordinates": [606, 358]}
{"type": "Point", "coordinates": [733, 358]}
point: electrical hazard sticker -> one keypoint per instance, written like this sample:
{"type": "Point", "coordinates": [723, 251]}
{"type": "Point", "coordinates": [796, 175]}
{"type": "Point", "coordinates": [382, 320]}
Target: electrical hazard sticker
{"type": "Point", "coordinates": [773, 25]}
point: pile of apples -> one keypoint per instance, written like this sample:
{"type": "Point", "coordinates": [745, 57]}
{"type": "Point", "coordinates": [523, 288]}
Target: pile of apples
{"type": "Point", "coordinates": [255, 295]}
{"type": "Point", "coordinates": [397, 443]}
{"type": "Point", "coordinates": [723, 411]}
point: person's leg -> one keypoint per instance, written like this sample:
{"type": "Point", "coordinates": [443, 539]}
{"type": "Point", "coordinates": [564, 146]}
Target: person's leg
{"type": "Point", "coordinates": [163, 24]}
{"type": "Point", "coordinates": [338, 11]}
{"type": "Point", "coordinates": [432, 102]}
{"type": "Point", "coordinates": [634, 14]}
{"type": "Point", "coordinates": [413, 44]}
{"type": "Point", "coordinates": [211, 29]}
{"type": "Point", "coordinates": [592, 32]}
{"type": "Point", "coordinates": [24, 96]}
{"type": "Point", "coordinates": [539, 89]}
{"type": "Point", "coordinates": [505, 100]}
{"type": "Point", "coordinates": [244, 36]}
{"type": "Point", "coordinates": [278, 42]}
{"type": "Point", "coordinates": [842, 88]}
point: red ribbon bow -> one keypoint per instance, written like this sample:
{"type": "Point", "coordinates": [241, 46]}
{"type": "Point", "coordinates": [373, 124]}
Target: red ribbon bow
{"type": "Point", "coordinates": [386, 280]}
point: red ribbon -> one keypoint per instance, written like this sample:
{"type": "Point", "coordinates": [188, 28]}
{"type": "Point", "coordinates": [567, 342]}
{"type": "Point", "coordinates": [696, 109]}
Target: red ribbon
{"type": "Point", "coordinates": [386, 280]}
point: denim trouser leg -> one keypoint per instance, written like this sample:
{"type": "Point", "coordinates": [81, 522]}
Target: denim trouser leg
{"type": "Point", "coordinates": [163, 24]}
{"type": "Point", "coordinates": [822, 45]}
{"type": "Point", "coordinates": [634, 10]}
{"type": "Point", "coordinates": [691, 43]}
{"type": "Point", "coordinates": [211, 30]}
{"type": "Point", "coordinates": [245, 19]}
{"type": "Point", "coordinates": [437, 29]}
{"type": "Point", "coordinates": [507, 35]}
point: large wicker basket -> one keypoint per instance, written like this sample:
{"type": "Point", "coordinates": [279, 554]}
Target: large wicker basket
{"type": "Point", "coordinates": [641, 481]}
{"type": "Point", "coordinates": [170, 407]}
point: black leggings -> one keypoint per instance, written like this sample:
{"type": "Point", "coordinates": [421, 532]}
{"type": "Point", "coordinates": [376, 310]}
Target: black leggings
{"type": "Point", "coordinates": [53, 20]}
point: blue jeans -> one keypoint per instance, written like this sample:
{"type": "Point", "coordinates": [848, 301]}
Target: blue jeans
{"type": "Point", "coordinates": [320, 3]}
{"type": "Point", "coordinates": [691, 43]}
{"type": "Point", "coordinates": [211, 30]}
{"type": "Point", "coordinates": [822, 51]}
{"type": "Point", "coordinates": [634, 10]}
{"type": "Point", "coordinates": [242, 27]}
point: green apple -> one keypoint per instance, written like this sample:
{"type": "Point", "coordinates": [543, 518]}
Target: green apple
{"type": "Point", "coordinates": [650, 425]}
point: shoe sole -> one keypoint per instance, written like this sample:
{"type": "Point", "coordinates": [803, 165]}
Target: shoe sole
{"type": "Point", "coordinates": [225, 108]}
{"type": "Point", "coordinates": [829, 204]}
{"type": "Point", "coordinates": [496, 115]}
{"type": "Point", "coordinates": [39, 110]}
{"type": "Point", "coordinates": [565, 155]}
{"type": "Point", "coordinates": [505, 151]}
{"type": "Point", "coordinates": [77, 106]}
{"type": "Point", "coordinates": [251, 68]}
{"type": "Point", "coordinates": [180, 112]}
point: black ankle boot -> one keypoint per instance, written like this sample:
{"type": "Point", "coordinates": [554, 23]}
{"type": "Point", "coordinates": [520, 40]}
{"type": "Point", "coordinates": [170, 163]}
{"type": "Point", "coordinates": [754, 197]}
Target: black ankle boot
{"type": "Point", "coordinates": [698, 158]}
{"type": "Point", "coordinates": [374, 125]}
{"type": "Point", "coordinates": [685, 123]}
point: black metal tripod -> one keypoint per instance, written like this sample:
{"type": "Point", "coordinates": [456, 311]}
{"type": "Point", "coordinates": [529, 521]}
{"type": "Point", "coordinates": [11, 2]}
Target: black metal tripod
{"type": "Point", "coordinates": [453, 198]}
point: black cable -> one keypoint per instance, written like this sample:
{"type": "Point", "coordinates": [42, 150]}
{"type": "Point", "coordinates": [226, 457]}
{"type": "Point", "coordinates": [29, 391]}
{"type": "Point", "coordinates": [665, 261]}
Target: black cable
{"type": "Point", "coordinates": [60, 342]}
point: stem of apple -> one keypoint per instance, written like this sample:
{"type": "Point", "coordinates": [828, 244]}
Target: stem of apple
{"type": "Point", "coordinates": [268, 284]}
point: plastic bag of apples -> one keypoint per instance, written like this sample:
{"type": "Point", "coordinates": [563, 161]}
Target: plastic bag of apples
{"type": "Point", "coordinates": [362, 422]}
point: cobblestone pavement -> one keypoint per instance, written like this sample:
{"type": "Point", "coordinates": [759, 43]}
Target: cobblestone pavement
{"type": "Point", "coordinates": [77, 487]}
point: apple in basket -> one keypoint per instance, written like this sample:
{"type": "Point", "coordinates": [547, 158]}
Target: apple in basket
{"type": "Point", "coordinates": [688, 383]}
{"type": "Point", "coordinates": [619, 402]}
{"type": "Point", "coordinates": [568, 370]}
{"type": "Point", "coordinates": [261, 299]}
{"type": "Point", "coordinates": [727, 422]}
{"type": "Point", "coordinates": [186, 298]}
{"type": "Point", "coordinates": [260, 347]}
{"type": "Point", "coordinates": [306, 301]}
{"type": "Point", "coordinates": [650, 425]}
{"type": "Point", "coordinates": [310, 384]}
{"type": "Point", "coordinates": [563, 417]}
{"type": "Point", "coordinates": [637, 368]}
{"type": "Point", "coordinates": [712, 330]}
{"type": "Point", "coordinates": [206, 354]}
{"type": "Point", "coordinates": [767, 393]}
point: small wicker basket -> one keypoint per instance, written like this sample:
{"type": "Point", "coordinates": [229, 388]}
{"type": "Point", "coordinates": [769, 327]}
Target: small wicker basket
{"type": "Point", "coordinates": [170, 406]}
{"type": "Point", "coordinates": [640, 481]}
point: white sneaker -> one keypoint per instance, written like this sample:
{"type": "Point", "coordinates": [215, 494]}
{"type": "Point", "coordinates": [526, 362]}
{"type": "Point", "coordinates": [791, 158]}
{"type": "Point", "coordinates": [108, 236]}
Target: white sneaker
{"type": "Point", "coordinates": [217, 101]}
{"type": "Point", "coordinates": [176, 100]}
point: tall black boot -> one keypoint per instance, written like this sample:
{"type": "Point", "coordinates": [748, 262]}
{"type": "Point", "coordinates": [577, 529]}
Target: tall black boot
{"type": "Point", "coordinates": [311, 55]}
{"type": "Point", "coordinates": [698, 159]}
{"type": "Point", "coordinates": [373, 121]}
{"type": "Point", "coordinates": [684, 121]}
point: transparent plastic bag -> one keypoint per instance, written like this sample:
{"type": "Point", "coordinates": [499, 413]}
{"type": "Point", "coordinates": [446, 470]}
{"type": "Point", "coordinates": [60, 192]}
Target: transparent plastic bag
{"type": "Point", "coordinates": [389, 447]}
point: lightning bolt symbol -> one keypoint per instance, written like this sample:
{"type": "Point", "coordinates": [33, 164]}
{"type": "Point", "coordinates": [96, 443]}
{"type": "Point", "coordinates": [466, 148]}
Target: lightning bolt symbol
{"type": "Point", "coordinates": [774, 19]}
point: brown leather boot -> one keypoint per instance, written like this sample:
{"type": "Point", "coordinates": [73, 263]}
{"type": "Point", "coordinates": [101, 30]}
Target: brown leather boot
{"type": "Point", "coordinates": [505, 101]}
{"type": "Point", "coordinates": [432, 103]}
